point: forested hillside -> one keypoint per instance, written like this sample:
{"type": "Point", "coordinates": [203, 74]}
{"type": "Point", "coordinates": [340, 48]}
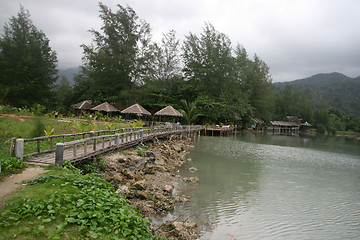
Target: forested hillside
{"type": "Point", "coordinates": [329, 91]}
{"type": "Point", "coordinates": [206, 76]}
{"type": "Point", "coordinates": [69, 73]}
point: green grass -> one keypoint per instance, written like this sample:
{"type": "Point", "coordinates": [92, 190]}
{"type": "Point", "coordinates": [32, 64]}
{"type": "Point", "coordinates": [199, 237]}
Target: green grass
{"type": "Point", "coordinates": [63, 204]}
{"type": "Point", "coordinates": [347, 133]}
{"type": "Point", "coordinates": [33, 126]}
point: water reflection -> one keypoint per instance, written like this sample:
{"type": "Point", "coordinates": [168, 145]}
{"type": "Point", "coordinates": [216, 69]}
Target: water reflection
{"type": "Point", "coordinates": [223, 191]}
{"type": "Point", "coordinates": [274, 187]}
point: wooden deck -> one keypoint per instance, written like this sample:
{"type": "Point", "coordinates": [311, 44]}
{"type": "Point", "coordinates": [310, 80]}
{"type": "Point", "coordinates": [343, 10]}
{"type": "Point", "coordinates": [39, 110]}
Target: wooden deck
{"type": "Point", "coordinates": [88, 147]}
{"type": "Point", "coordinates": [219, 131]}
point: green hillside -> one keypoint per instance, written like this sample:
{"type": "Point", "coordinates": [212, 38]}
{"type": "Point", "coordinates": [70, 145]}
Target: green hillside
{"type": "Point", "coordinates": [329, 91]}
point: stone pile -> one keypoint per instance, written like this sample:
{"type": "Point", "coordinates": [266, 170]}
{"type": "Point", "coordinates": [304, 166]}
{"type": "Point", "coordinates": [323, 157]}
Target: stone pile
{"type": "Point", "coordinates": [147, 181]}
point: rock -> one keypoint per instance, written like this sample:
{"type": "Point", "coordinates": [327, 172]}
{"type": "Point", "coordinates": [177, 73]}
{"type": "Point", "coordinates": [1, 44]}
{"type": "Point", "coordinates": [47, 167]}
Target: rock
{"type": "Point", "coordinates": [158, 158]}
{"type": "Point", "coordinates": [191, 179]}
{"type": "Point", "coordinates": [189, 159]}
{"type": "Point", "coordinates": [143, 194]}
{"type": "Point", "coordinates": [123, 189]}
{"type": "Point", "coordinates": [168, 188]}
{"type": "Point", "coordinates": [177, 147]}
{"type": "Point", "coordinates": [114, 184]}
{"type": "Point", "coordinates": [193, 169]}
{"type": "Point", "coordinates": [189, 224]}
{"type": "Point", "coordinates": [150, 155]}
{"type": "Point", "coordinates": [180, 230]}
{"type": "Point", "coordinates": [178, 226]}
{"type": "Point", "coordinates": [128, 173]}
{"type": "Point", "coordinates": [140, 185]}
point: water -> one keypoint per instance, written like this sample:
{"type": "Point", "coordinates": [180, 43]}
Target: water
{"type": "Point", "coordinates": [274, 187]}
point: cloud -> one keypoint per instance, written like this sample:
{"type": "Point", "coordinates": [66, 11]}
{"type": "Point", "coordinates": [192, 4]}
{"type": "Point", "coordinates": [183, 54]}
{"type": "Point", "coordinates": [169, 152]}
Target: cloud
{"type": "Point", "coordinates": [295, 38]}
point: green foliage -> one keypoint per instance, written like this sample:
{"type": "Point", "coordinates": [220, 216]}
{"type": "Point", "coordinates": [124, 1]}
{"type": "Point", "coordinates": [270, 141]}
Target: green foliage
{"type": "Point", "coordinates": [80, 126]}
{"type": "Point", "coordinates": [37, 109]}
{"type": "Point", "coordinates": [329, 91]}
{"type": "Point", "coordinates": [110, 126]}
{"type": "Point", "coordinates": [82, 206]}
{"type": "Point", "coordinates": [137, 123]}
{"type": "Point", "coordinates": [141, 150]}
{"type": "Point", "coordinates": [208, 61]}
{"type": "Point", "coordinates": [5, 132]}
{"type": "Point", "coordinates": [10, 164]}
{"type": "Point", "coordinates": [64, 95]}
{"type": "Point", "coordinates": [49, 131]}
{"type": "Point", "coordinates": [27, 63]}
{"type": "Point", "coordinates": [38, 129]}
{"type": "Point", "coordinates": [189, 111]}
{"type": "Point", "coordinates": [117, 57]}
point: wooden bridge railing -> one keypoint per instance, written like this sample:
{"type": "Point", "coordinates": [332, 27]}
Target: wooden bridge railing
{"type": "Point", "coordinates": [96, 142]}
{"type": "Point", "coordinates": [96, 145]}
{"type": "Point", "coordinates": [46, 144]}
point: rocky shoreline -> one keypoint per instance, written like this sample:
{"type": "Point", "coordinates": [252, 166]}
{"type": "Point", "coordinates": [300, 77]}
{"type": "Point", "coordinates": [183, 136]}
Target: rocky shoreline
{"type": "Point", "coordinates": [146, 175]}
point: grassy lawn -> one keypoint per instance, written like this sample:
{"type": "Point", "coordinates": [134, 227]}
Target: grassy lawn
{"type": "Point", "coordinates": [29, 126]}
{"type": "Point", "coordinates": [63, 204]}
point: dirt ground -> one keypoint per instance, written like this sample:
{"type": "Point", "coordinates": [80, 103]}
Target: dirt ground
{"type": "Point", "coordinates": [13, 116]}
{"type": "Point", "coordinates": [8, 186]}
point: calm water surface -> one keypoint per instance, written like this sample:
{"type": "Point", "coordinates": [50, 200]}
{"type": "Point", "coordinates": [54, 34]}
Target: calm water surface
{"type": "Point", "coordinates": [274, 187]}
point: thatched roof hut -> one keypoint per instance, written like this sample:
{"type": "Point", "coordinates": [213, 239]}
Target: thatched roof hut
{"type": "Point", "coordinates": [105, 107]}
{"type": "Point", "coordinates": [168, 111]}
{"type": "Point", "coordinates": [136, 109]}
{"type": "Point", "coordinates": [83, 105]}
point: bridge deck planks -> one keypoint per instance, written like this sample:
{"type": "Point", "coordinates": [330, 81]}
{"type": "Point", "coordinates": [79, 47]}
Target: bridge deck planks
{"type": "Point", "coordinates": [49, 158]}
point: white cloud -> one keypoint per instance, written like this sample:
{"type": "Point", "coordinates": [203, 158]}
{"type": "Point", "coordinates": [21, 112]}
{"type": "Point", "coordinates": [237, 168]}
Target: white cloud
{"type": "Point", "coordinates": [295, 38]}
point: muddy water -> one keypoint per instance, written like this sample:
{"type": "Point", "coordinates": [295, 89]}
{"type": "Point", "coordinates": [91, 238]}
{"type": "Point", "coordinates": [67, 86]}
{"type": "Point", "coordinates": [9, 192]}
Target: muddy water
{"type": "Point", "coordinates": [274, 187]}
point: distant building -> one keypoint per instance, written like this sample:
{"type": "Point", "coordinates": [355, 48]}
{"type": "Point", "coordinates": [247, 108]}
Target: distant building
{"type": "Point", "coordinates": [82, 106]}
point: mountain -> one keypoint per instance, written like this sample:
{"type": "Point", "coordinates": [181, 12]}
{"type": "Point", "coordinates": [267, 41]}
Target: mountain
{"type": "Point", "coordinates": [69, 74]}
{"type": "Point", "coordinates": [329, 91]}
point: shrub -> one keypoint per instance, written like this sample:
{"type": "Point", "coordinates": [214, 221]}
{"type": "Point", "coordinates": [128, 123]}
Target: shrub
{"type": "Point", "coordinates": [86, 206]}
{"type": "Point", "coordinates": [10, 164]}
{"type": "Point", "coordinates": [38, 129]}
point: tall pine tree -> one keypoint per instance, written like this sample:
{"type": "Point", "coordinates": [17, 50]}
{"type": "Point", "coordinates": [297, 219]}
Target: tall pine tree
{"type": "Point", "coordinates": [116, 60]}
{"type": "Point", "coordinates": [27, 63]}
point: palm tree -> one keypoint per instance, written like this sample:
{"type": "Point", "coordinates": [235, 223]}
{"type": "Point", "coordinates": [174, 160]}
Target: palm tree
{"type": "Point", "coordinates": [189, 111]}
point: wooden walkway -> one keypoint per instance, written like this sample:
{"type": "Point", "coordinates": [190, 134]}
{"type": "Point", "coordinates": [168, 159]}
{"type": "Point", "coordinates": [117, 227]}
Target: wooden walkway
{"type": "Point", "coordinates": [88, 147]}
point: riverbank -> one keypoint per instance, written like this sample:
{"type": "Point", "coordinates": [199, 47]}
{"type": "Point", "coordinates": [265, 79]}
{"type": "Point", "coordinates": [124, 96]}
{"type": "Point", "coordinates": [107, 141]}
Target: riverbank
{"type": "Point", "coordinates": [147, 177]}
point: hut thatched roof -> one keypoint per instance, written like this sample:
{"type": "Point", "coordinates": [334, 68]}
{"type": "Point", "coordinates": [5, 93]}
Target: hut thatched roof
{"type": "Point", "coordinates": [136, 109]}
{"type": "Point", "coordinates": [83, 105]}
{"type": "Point", "coordinates": [105, 107]}
{"type": "Point", "coordinates": [168, 111]}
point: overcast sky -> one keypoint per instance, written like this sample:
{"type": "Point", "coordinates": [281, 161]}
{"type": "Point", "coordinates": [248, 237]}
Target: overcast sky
{"type": "Point", "coordinates": [296, 38]}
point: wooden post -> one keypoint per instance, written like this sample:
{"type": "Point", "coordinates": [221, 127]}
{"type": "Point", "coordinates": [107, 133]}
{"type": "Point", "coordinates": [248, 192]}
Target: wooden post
{"type": "Point", "coordinates": [85, 147]}
{"type": "Point", "coordinates": [117, 140]}
{"type": "Point", "coordinates": [38, 145]}
{"type": "Point", "coordinates": [51, 143]}
{"type": "Point", "coordinates": [93, 141]}
{"type": "Point", "coordinates": [12, 147]}
{"type": "Point", "coordinates": [59, 154]}
{"type": "Point", "coordinates": [74, 150]}
{"type": "Point", "coordinates": [19, 148]}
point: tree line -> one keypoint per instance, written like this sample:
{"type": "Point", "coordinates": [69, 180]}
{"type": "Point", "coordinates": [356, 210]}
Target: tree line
{"type": "Point", "coordinates": [206, 75]}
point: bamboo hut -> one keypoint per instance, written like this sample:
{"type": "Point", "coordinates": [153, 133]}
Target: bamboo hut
{"type": "Point", "coordinates": [82, 106]}
{"type": "Point", "coordinates": [279, 127]}
{"type": "Point", "coordinates": [169, 111]}
{"type": "Point", "coordinates": [136, 109]}
{"type": "Point", "coordinates": [105, 107]}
